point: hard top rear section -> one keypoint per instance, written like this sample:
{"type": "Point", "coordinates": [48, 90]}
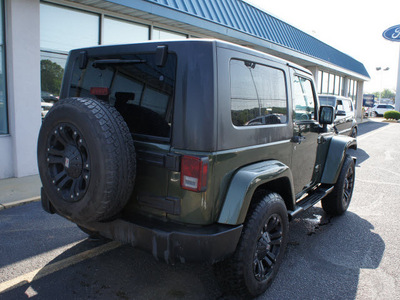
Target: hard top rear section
{"type": "Point", "coordinates": [164, 81]}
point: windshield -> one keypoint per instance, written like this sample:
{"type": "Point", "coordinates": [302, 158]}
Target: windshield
{"type": "Point", "coordinates": [327, 101]}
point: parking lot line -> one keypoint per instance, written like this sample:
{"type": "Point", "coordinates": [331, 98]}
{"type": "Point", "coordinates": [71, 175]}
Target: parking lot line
{"type": "Point", "coordinates": [57, 266]}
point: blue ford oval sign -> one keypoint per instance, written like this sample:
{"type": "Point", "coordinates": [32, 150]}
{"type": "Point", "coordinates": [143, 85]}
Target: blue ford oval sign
{"type": "Point", "coordinates": [392, 33]}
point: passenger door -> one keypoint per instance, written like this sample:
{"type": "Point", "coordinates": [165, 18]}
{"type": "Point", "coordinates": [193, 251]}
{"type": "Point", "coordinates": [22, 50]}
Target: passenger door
{"type": "Point", "coordinates": [345, 116]}
{"type": "Point", "coordinates": [305, 132]}
{"type": "Point", "coordinates": [341, 116]}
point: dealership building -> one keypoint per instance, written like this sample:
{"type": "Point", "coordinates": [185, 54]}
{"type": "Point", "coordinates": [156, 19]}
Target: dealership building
{"type": "Point", "coordinates": [35, 38]}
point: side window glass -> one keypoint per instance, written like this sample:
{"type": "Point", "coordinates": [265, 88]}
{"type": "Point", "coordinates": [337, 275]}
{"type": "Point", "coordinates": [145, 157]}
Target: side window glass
{"type": "Point", "coordinates": [303, 99]}
{"type": "Point", "coordinates": [258, 94]}
{"type": "Point", "coordinates": [340, 105]}
{"type": "Point", "coordinates": [349, 106]}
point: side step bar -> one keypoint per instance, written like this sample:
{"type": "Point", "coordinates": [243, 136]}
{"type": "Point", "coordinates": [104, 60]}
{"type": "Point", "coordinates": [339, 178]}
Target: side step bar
{"type": "Point", "coordinates": [311, 199]}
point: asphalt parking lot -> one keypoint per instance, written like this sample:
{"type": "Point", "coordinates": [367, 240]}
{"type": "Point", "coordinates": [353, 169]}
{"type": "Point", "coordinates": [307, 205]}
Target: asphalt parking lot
{"type": "Point", "coordinates": [354, 256]}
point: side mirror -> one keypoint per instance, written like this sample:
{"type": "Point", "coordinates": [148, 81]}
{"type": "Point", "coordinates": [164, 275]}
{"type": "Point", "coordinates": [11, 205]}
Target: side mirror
{"type": "Point", "coordinates": [326, 114]}
{"type": "Point", "coordinates": [340, 113]}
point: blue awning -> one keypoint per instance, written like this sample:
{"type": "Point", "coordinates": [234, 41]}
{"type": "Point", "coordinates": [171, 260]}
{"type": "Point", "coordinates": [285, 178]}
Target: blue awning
{"type": "Point", "coordinates": [239, 16]}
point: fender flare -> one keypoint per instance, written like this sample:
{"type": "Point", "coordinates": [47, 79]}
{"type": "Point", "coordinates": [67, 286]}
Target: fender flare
{"type": "Point", "coordinates": [243, 185]}
{"type": "Point", "coordinates": [337, 152]}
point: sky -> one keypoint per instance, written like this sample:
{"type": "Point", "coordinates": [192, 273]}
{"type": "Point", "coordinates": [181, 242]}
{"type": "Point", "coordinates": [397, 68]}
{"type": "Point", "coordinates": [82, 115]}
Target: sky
{"type": "Point", "coordinates": [354, 27]}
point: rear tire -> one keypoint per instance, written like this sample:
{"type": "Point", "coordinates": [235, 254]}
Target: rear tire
{"type": "Point", "coordinates": [338, 201]}
{"type": "Point", "coordinates": [258, 256]}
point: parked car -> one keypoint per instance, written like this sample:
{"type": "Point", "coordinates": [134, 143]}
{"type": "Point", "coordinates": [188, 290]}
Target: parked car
{"type": "Point", "coordinates": [45, 108]}
{"type": "Point", "coordinates": [49, 97]}
{"type": "Point", "coordinates": [158, 144]}
{"type": "Point", "coordinates": [345, 120]}
{"type": "Point", "coordinates": [380, 109]}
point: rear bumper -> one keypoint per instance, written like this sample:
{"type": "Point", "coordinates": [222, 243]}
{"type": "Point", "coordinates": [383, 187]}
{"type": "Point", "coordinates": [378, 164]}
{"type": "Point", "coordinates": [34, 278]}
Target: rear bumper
{"type": "Point", "coordinates": [166, 240]}
{"type": "Point", "coordinates": [173, 242]}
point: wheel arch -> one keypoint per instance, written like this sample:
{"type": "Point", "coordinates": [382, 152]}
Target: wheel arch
{"type": "Point", "coordinates": [271, 175]}
{"type": "Point", "coordinates": [335, 158]}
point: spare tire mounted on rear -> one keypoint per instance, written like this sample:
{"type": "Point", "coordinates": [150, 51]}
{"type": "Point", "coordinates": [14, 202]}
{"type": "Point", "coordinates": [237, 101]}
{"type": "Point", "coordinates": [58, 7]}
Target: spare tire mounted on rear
{"type": "Point", "coordinates": [86, 159]}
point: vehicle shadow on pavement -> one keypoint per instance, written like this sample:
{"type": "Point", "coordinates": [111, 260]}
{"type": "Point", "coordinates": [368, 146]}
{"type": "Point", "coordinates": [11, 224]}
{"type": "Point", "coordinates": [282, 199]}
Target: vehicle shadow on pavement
{"type": "Point", "coordinates": [372, 125]}
{"type": "Point", "coordinates": [122, 273]}
{"type": "Point", "coordinates": [360, 154]}
{"type": "Point", "coordinates": [27, 231]}
{"type": "Point", "coordinates": [323, 260]}
{"type": "Point", "coordinates": [325, 256]}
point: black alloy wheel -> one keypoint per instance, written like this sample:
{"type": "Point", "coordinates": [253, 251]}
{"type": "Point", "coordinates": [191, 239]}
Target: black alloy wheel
{"type": "Point", "coordinates": [348, 187]}
{"type": "Point", "coordinates": [259, 253]}
{"type": "Point", "coordinates": [268, 247]}
{"type": "Point", "coordinates": [68, 162]}
{"type": "Point", "coordinates": [338, 201]}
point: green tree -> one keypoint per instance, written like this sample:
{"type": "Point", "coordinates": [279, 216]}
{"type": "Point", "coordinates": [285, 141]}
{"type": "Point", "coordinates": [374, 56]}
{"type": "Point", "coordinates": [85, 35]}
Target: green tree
{"type": "Point", "coordinates": [51, 76]}
{"type": "Point", "coordinates": [386, 93]}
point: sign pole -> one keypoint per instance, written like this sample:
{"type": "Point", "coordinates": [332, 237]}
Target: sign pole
{"type": "Point", "coordinates": [397, 101]}
{"type": "Point", "coordinates": [393, 34]}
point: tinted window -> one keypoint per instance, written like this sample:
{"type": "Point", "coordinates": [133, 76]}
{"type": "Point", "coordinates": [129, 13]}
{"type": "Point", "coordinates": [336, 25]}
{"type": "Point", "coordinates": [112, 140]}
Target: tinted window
{"type": "Point", "coordinates": [327, 101]}
{"type": "Point", "coordinates": [141, 91]}
{"type": "Point", "coordinates": [258, 94]}
{"type": "Point", "coordinates": [303, 99]}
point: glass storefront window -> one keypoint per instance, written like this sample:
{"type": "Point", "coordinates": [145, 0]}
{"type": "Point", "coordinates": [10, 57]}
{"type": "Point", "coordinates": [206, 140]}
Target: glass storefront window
{"type": "Point", "coordinates": [161, 34]}
{"type": "Point", "coordinates": [51, 73]}
{"type": "Point", "coordinates": [3, 94]}
{"type": "Point", "coordinates": [122, 32]}
{"type": "Point", "coordinates": [329, 83]}
{"type": "Point", "coordinates": [325, 83]}
{"type": "Point", "coordinates": [64, 29]}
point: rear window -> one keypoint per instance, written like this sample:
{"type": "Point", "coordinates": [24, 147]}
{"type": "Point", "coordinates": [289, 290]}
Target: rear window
{"type": "Point", "coordinates": [139, 89]}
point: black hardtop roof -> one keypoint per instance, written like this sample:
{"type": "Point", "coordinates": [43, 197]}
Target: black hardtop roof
{"type": "Point", "coordinates": [215, 42]}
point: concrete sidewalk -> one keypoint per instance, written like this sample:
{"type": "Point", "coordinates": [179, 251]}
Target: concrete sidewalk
{"type": "Point", "coordinates": [17, 191]}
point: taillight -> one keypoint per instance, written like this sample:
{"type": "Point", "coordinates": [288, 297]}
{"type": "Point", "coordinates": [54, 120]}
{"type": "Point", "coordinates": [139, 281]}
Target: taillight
{"type": "Point", "coordinates": [99, 91]}
{"type": "Point", "coordinates": [194, 173]}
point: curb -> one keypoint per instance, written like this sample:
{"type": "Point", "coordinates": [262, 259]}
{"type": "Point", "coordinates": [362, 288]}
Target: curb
{"type": "Point", "coordinates": [19, 203]}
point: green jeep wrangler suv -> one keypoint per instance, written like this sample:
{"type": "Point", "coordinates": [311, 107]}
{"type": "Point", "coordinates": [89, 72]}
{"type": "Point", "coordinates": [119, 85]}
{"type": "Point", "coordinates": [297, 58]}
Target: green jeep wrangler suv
{"type": "Point", "coordinates": [193, 150]}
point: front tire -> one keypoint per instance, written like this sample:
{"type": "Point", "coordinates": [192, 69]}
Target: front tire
{"type": "Point", "coordinates": [258, 256]}
{"type": "Point", "coordinates": [338, 201]}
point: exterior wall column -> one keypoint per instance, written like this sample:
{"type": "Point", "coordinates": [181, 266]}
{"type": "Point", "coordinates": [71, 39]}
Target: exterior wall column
{"type": "Point", "coordinates": [315, 73]}
{"type": "Point", "coordinates": [397, 99]}
{"type": "Point", "coordinates": [359, 100]}
{"type": "Point", "coordinates": [23, 83]}
{"type": "Point", "coordinates": [345, 89]}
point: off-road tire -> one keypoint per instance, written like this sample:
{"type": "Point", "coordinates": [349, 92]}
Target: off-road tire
{"type": "Point", "coordinates": [86, 159]}
{"type": "Point", "coordinates": [338, 201]}
{"type": "Point", "coordinates": [258, 256]}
